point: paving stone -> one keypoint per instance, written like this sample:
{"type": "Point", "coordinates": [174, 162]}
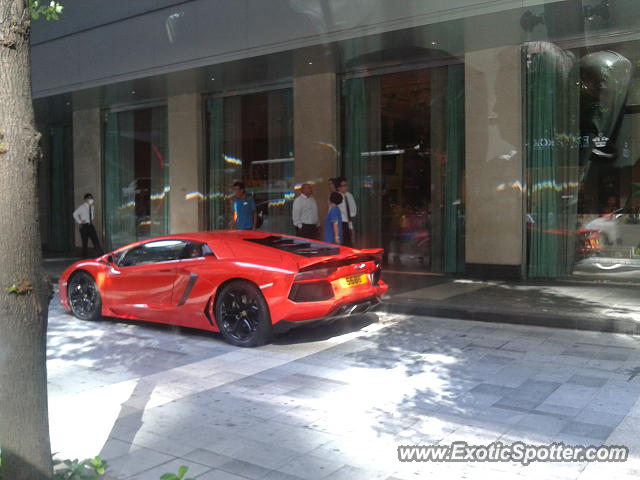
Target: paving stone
{"type": "Point", "coordinates": [587, 381]}
{"type": "Point", "coordinates": [206, 457]}
{"type": "Point", "coordinates": [138, 461]}
{"type": "Point", "coordinates": [219, 475]}
{"type": "Point", "coordinates": [244, 469]}
{"type": "Point", "coordinates": [572, 395]}
{"type": "Point", "coordinates": [173, 466]}
{"type": "Point", "coordinates": [600, 432]}
{"type": "Point", "coordinates": [310, 467]}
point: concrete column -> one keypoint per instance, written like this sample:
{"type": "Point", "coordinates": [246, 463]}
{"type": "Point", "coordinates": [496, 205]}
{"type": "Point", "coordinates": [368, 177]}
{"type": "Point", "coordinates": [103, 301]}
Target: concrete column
{"type": "Point", "coordinates": [315, 123]}
{"type": "Point", "coordinates": [87, 157]}
{"type": "Point", "coordinates": [186, 159]}
{"type": "Point", "coordinates": [494, 169]}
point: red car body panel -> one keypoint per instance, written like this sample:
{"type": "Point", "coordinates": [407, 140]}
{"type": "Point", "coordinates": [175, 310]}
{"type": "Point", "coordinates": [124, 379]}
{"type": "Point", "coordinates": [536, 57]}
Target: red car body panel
{"type": "Point", "coordinates": [182, 292]}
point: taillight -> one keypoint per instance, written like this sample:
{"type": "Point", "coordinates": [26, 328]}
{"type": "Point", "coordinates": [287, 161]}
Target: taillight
{"type": "Point", "coordinates": [317, 274]}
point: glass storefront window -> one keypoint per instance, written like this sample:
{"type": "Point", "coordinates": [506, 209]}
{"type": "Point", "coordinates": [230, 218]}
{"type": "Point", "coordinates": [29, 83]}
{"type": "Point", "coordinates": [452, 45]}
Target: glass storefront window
{"type": "Point", "coordinates": [250, 140]}
{"type": "Point", "coordinates": [403, 154]}
{"type": "Point", "coordinates": [60, 156]}
{"type": "Point", "coordinates": [136, 175]}
{"type": "Point", "coordinates": [583, 161]}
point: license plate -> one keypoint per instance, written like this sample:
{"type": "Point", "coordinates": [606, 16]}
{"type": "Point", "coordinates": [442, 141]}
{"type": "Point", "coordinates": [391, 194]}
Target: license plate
{"type": "Point", "coordinates": [353, 280]}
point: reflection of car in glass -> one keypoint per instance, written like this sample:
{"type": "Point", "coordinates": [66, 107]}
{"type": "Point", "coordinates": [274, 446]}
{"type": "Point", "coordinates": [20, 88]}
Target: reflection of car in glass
{"type": "Point", "coordinates": [588, 240]}
{"type": "Point", "coordinates": [245, 284]}
{"type": "Point", "coordinates": [608, 226]}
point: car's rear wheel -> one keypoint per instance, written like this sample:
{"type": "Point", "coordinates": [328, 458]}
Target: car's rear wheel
{"type": "Point", "coordinates": [243, 315]}
{"type": "Point", "coordinates": [84, 297]}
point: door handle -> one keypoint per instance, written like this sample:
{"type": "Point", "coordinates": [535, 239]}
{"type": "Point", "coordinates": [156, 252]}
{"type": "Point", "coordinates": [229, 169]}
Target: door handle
{"type": "Point", "coordinates": [167, 270]}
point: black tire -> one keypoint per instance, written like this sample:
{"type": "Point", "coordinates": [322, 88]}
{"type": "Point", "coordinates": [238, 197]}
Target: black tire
{"type": "Point", "coordinates": [84, 297]}
{"type": "Point", "coordinates": [243, 315]}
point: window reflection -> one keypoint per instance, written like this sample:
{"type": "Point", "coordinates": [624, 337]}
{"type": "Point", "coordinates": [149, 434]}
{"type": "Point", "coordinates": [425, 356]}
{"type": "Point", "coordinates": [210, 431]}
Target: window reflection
{"type": "Point", "coordinates": [250, 139]}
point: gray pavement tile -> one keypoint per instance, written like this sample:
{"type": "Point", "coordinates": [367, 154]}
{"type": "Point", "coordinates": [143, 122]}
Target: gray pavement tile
{"type": "Point", "coordinates": [492, 414]}
{"type": "Point", "coordinates": [587, 381]}
{"type": "Point", "coordinates": [572, 395]}
{"type": "Point", "coordinates": [599, 418]}
{"type": "Point", "coordinates": [277, 475]}
{"type": "Point", "coordinates": [596, 353]}
{"type": "Point", "coordinates": [219, 475]}
{"type": "Point", "coordinates": [349, 472]}
{"type": "Point", "coordinates": [264, 454]}
{"type": "Point", "coordinates": [491, 389]}
{"type": "Point", "coordinates": [138, 461]}
{"type": "Point", "coordinates": [517, 404]}
{"type": "Point", "coordinates": [547, 424]}
{"type": "Point", "coordinates": [528, 395]}
{"type": "Point", "coordinates": [206, 457]}
{"type": "Point", "coordinates": [155, 473]}
{"type": "Point", "coordinates": [614, 399]}
{"type": "Point", "coordinates": [310, 467]}
{"type": "Point", "coordinates": [547, 408]}
{"type": "Point", "coordinates": [591, 430]}
{"type": "Point", "coordinates": [114, 448]}
{"type": "Point", "coordinates": [244, 469]}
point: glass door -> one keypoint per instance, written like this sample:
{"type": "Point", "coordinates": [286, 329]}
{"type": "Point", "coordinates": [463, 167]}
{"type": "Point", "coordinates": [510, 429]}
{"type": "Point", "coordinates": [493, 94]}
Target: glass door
{"type": "Point", "coordinates": [136, 175]}
{"type": "Point", "coordinates": [403, 155]}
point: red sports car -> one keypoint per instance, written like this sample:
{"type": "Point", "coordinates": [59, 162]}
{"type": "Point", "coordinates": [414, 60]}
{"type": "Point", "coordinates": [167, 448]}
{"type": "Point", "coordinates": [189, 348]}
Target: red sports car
{"type": "Point", "coordinates": [244, 284]}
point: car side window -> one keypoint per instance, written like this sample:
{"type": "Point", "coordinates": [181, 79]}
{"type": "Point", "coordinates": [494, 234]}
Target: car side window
{"type": "Point", "coordinates": [196, 250]}
{"type": "Point", "coordinates": [154, 252]}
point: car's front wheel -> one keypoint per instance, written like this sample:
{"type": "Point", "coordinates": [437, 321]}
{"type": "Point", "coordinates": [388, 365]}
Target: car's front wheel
{"type": "Point", "coordinates": [243, 315]}
{"type": "Point", "coordinates": [84, 297]}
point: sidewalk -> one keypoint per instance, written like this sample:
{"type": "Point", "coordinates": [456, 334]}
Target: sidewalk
{"type": "Point", "coordinates": [581, 305]}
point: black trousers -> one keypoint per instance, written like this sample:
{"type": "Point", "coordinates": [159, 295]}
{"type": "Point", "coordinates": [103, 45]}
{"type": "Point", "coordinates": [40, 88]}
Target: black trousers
{"type": "Point", "coordinates": [346, 235]}
{"type": "Point", "coordinates": [308, 230]}
{"type": "Point", "coordinates": [88, 231]}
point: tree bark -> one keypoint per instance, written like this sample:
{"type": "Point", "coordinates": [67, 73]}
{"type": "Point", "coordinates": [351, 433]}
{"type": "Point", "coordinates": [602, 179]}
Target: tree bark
{"type": "Point", "coordinates": [24, 423]}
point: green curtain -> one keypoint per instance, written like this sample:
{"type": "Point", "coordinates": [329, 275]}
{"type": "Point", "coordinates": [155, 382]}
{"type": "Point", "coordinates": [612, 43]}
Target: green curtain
{"type": "Point", "coordinates": [278, 190]}
{"type": "Point", "coordinates": [216, 194]}
{"type": "Point", "coordinates": [119, 203]}
{"type": "Point", "coordinates": [552, 158]}
{"type": "Point", "coordinates": [159, 172]}
{"type": "Point", "coordinates": [356, 165]}
{"type": "Point", "coordinates": [453, 223]}
{"type": "Point", "coordinates": [61, 201]}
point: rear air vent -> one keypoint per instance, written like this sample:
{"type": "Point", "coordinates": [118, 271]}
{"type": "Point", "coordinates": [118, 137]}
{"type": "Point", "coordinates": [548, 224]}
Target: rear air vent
{"type": "Point", "coordinates": [298, 246]}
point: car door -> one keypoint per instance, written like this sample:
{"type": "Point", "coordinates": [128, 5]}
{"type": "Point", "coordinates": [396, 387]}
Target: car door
{"type": "Point", "coordinates": [193, 288]}
{"type": "Point", "coordinates": [141, 284]}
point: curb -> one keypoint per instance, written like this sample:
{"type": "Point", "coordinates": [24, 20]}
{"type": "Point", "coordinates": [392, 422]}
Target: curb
{"type": "Point", "coordinates": [605, 324]}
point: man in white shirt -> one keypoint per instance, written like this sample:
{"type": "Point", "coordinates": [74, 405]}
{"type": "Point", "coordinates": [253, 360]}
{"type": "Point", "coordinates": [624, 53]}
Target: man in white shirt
{"type": "Point", "coordinates": [305, 213]}
{"type": "Point", "coordinates": [347, 209]}
{"type": "Point", "coordinates": [84, 216]}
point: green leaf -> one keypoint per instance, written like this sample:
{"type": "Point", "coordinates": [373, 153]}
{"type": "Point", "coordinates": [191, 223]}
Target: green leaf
{"type": "Point", "coordinates": [182, 471]}
{"type": "Point", "coordinates": [169, 476]}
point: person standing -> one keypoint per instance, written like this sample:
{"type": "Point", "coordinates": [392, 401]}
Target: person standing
{"type": "Point", "coordinates": [305, 213]}
{"type": "Point", "coordinates": [84, 216]}
{"type": "Point", "coordinates": [244, 209]}
{"type": "Point", "coordinates": [347, 209]}
{"type": "Point", "coordinates": [333, 222]}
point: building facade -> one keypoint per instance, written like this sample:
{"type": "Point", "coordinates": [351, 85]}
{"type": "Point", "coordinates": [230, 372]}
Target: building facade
{"type": "Point", "coordinates": [482, 138]}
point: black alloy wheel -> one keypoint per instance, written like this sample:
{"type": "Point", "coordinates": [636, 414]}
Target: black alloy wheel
{"type": "Point", "coordinates": [84, 297]}
{"type": "Point", "coordinates": [243, 315]}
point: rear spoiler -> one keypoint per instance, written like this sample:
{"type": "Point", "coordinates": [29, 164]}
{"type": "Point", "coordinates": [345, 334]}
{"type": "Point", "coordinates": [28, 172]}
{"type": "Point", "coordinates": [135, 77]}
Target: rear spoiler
{"type": "Point", "coordinates": [365, 255]}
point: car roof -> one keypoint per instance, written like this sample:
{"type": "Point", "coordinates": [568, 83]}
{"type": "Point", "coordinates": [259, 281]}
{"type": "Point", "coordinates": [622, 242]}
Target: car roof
{"type": "Point", "coordinates": [203, 237]}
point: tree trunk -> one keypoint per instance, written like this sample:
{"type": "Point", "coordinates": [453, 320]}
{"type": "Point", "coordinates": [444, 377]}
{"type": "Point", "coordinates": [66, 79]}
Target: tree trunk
{"type": "Point", "coordinates": [24, 423]}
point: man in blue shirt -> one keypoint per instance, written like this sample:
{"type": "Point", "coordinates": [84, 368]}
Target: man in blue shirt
{"type": "Point", "coordinates": [244, 209]}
